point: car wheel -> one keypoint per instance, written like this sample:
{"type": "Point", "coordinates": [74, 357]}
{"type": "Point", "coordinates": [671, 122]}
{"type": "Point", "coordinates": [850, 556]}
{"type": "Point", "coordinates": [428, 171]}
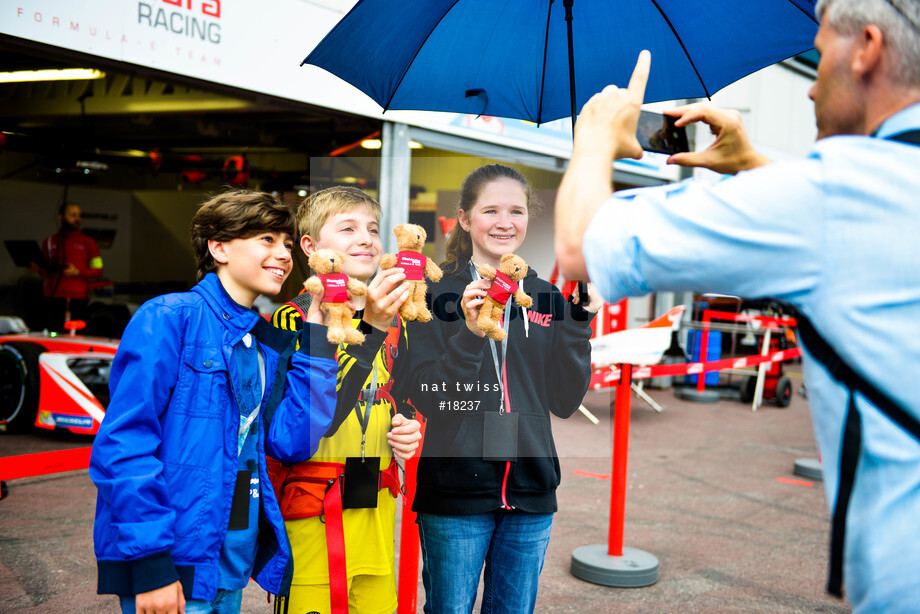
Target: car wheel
{"type": "Point", "coordinates": [747, 388]}
{"type": "Point", "coordinates": [783, 391]}
{"type": "Point", "coordinates": [19, 382]}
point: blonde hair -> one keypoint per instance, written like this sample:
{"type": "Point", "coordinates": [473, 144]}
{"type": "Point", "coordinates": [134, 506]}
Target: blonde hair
{"type": "Point", "coordinates": [315, 209]}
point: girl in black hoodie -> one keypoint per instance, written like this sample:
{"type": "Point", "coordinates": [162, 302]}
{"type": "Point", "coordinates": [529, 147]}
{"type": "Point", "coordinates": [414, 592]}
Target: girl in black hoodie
{"type": "Point", "coordinates": [488, 471]}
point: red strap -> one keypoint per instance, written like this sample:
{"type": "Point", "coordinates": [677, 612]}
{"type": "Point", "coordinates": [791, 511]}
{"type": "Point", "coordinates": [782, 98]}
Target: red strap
{"type": "Point", "coordinates": [391, 343]}
{"type": "Point", "coordinates": [335, 547]}
{"type": "Point", "coordinates": [389, 478]}
{"type": "Point", "coordinates": [335, 535]}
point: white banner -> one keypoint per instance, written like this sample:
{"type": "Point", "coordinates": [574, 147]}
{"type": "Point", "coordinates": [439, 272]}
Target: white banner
{"type": "Point", "coordinates": [255, 45]}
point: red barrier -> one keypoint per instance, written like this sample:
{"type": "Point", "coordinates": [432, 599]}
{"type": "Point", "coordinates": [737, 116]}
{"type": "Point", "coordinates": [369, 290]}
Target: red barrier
{"type": "Point", "coordinates": [29, 465]}
{"type": "Point", "coordinates": [606, 377]}
{"type": "Point", "coordinates": [407, 588]}
{"type": "Point", "coordinates": [770, 322]}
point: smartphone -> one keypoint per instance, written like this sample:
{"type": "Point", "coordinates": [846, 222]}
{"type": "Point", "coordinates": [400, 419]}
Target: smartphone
{"type": "Point", "coordinates": [657, 132]}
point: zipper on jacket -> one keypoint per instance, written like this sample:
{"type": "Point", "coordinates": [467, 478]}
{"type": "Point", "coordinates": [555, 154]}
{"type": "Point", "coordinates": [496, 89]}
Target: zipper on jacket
{"type": "Point", "coordinates": [507, 394]}
{"type": "Point", "coordinates": [505, 505]}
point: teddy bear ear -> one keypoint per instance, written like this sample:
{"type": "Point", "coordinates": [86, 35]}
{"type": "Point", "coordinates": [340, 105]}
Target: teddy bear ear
{"type": "Point", "coordinates": [506, 258]}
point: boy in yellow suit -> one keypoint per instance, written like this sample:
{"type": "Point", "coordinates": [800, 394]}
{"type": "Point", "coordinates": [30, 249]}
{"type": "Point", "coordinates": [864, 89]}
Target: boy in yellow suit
{"type": "Point", "coordinates": [343, 537]}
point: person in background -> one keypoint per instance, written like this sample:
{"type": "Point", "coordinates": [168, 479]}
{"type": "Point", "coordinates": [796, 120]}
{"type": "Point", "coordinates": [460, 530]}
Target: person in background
{"type": "Point", "coordinates": [833, 235]}
{"type": "Point", "coordinates": [488, 471]}
{"type": "Point", "coordinates": [71, 260]}
{"type": "Point", "coordinates": [201, 388]}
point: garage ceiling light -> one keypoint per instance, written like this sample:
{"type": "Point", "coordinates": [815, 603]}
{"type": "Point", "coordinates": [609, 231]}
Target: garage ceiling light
{"type": "Point", "coordinates": [65, 74]}
{"type": "Point", "coordinates": [377, 144]}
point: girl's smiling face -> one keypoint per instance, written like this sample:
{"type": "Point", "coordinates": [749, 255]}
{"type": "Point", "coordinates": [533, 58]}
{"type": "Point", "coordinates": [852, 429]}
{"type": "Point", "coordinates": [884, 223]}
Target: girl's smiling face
{"type": "Point", "coordinates": [497, 221]}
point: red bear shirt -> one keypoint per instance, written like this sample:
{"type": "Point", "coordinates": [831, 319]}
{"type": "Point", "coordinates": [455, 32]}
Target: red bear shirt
{"type": "Point", "coordinates": [502, 287]}
{"type": "Point", "coordinates": [335, 286]}
{"type": "Point", "coordinates": [413, 263]}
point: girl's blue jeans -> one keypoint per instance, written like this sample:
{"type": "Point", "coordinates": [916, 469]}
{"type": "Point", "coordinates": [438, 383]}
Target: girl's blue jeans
{"type": "Point", "coordinates": [510, 545]}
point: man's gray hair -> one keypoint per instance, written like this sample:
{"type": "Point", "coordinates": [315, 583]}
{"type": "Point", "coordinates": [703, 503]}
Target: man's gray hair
{"type": "Point", "coordinates": [899, 20]}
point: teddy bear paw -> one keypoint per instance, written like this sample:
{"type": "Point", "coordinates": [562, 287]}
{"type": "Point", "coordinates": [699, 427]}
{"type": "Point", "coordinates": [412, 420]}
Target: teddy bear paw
{"type": "Point", "coordinates": [423, 315]}
{"type": "Point", "coordinates": [336, 335]}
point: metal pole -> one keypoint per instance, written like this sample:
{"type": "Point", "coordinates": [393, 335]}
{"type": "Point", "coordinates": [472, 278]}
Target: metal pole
{"type": "Point", "coordinates": [582, 286]}
{"type": "Point", "coordinates": [393, 194]}
{"type": "Point", "coordinates": [568, 25]}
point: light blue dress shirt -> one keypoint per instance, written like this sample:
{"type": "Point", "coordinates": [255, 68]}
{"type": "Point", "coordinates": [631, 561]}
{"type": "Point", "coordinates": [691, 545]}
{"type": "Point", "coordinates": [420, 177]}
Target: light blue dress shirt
{"type": "Point", "coordinates": [836, 234]}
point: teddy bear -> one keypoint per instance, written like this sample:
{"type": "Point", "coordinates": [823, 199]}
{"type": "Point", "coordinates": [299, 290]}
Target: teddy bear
{"type": "Point", "coordinates": [511, 269]}
{"type": "Point", "coordinates": [410, 238]}
{"type": "Point", "coordinates": [335, 286]}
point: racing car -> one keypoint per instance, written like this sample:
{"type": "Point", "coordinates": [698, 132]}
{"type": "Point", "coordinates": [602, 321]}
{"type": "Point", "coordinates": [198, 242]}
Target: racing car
{"type": "Point", "coordinates": [52, 381]}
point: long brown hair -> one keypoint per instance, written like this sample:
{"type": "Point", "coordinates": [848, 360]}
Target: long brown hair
{"type": "Point", "coordinates": [460, 244]}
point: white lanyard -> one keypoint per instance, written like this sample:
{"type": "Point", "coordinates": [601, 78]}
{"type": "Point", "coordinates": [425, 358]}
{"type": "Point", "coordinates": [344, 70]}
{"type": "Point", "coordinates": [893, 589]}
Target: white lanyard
{"type": "Point", "coordinates": [506, 325]}
{"type": "Point", "coordinates": [246, 422]}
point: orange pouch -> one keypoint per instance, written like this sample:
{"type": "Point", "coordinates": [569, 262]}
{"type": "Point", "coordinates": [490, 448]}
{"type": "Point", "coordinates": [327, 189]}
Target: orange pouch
{"type": "Point", "coordinates": [301, 488]}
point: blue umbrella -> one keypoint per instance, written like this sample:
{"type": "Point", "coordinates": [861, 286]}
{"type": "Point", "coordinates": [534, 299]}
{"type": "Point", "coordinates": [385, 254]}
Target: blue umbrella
{"type": "Point", "coordinates": [513, 58]}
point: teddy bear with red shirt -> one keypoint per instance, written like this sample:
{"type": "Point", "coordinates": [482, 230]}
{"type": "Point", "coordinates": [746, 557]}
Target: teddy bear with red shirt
{"type": "Point", "coordinates": [335, 287]}
{"type": "Point", "coordinates": [511, 269]}
{"type": "Point", "coordinates": [410, 239]}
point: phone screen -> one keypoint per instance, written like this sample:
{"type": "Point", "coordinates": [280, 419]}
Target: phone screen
{"type": "Point", "coordinates": [656, 132]}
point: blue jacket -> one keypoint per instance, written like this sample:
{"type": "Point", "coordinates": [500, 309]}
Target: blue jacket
{"type": "Point", "coordinates": [165, 457]}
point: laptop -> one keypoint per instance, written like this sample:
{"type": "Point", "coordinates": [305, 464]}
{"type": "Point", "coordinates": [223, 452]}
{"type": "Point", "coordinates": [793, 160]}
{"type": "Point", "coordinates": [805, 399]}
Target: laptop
{"type": "Point", "coordinates": [25, 251]}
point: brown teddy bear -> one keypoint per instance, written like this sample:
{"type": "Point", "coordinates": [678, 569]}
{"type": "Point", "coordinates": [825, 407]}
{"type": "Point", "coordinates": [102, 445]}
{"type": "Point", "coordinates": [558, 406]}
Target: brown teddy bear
{"type": "Point", "coordinates": [335, 286]}
{"type": "Point", "coordinates": [511, 270]}
{"type": "Point", "coordinates": [410, 238]}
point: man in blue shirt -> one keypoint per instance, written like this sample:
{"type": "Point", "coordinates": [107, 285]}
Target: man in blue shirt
{"type": "Point", "coordinates": [835, 235]}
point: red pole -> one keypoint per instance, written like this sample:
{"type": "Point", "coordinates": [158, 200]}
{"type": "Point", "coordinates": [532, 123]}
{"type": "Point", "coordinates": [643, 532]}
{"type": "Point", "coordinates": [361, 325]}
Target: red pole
{"type": "Point", "coordinates": [618, 472]}
{"type": "Point", "coordinates": [407, 584]}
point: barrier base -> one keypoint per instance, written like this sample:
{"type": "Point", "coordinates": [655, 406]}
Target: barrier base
{"type": "Point", "coordinates": [808, 468]}
{"type": "Point", "coordinates": [634, 569]}
{"type": "Point", "coordinates": [688, 393]}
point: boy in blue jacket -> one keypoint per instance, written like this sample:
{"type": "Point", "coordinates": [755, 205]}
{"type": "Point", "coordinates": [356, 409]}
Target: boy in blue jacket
{"type": "Point", "coordinates": [202, 387]}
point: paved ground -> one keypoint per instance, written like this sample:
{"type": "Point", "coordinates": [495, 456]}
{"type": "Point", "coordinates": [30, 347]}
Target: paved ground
{"type": "Point", "coordinates": [705, 496]}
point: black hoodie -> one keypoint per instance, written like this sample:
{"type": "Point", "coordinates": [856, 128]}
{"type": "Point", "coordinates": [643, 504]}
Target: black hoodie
{"type": "Point", "coordinates": [454, 384]}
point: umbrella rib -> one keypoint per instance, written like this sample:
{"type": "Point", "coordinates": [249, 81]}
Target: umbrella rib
{"type": "Point", "coordinates": [417, 51]}
{"type": "Point", "coordinates": [682, 46]}
{"type": "Point", "coordinates": [549, 10]}
{"type": "Point", "coordinates": [807, 14]}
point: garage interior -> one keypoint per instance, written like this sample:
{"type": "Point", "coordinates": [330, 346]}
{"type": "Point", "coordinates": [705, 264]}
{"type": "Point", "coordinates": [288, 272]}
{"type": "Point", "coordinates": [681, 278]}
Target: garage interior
{"type": "Point", "coordinates": [141, 149]}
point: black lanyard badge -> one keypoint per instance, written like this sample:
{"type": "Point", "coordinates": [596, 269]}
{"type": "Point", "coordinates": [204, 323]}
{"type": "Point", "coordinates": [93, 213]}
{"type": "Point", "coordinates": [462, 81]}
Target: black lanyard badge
{"type": "Point", "coordinates": [500, 436]}
{"type": "Point", "coordinates": [362, 476]}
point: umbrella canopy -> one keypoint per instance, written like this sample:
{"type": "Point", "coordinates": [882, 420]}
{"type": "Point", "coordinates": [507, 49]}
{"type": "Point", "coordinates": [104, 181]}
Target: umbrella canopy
{"type": "Point", "coordinates": [510, 58]}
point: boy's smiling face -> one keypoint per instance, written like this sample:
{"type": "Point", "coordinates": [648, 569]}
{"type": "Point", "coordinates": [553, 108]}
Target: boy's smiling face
{"type": "Point", "coordinates": [253, 266]}
{"type": "Point", "coordinates": [354, 233]}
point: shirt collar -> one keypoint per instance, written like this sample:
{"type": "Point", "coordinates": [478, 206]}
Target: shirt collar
{"type": "Point", "coordinates": [903, 120]}
{"type": "Point", "coordinates": [234, 315]}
